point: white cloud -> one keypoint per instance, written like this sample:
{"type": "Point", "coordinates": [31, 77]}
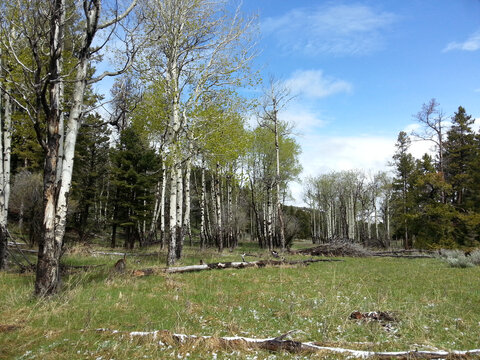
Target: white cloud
{"type": "Point", "coordinates": [471, 44]}
{"type": "Point", "coordinates": [303, 118]}
{"type": "Point", "coordinates": [314, 84]}
{"type": "Point", "coordinates": [323, 154]}
{"type": "Point", "coordinates": [331, 29]}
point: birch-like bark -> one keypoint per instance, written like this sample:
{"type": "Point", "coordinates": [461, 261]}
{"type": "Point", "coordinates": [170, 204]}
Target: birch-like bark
{"type": "Point", "coordinates": [387, 215]}
{"type": "Point", "coordinates": [314, 224]}
{"type": "Point", "coordinates": [351, 220]}
{"type": "Point", "coordinates": [369, 225]}
{"type": "Point", "coordinates": [179, 215]}
{"type": "Point", "coordinates": [5, 148]}
{"type": "Point", "coordinates": [162, 204]}
{"type": "Point", "coordinates": [277, 177]}
{"type": "Point", "coordinates": [202, 210]}
{"type": "Point", "coordinates": [218, 208]}
{"type": "Point", "coordinates": [269, 218]}
{"type": "Point", "coordinates": [48, 272]}
{"type": "Point", "coordinates": [56, 190]}
{"type": "Point", "coordinates": [329, 222]}
{"type": "Point", "coordinates": [229, 213]}
{"type": "Point", "coordinates": [187, 231]}
{"type": "Point", "coordinates": [156, 212]}
{"type": "Point", "coordinates": [173, 217]}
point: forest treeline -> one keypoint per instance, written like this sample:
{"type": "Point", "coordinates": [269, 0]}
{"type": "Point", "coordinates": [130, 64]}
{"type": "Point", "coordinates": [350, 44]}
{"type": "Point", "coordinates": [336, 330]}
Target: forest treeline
{"type": "Point", "coordinates": [431, 202]}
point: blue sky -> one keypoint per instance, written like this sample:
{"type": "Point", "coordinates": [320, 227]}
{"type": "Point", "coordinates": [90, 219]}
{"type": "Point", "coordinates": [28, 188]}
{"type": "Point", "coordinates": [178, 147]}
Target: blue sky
{"type": "Point", "coordinates": [361, 69]}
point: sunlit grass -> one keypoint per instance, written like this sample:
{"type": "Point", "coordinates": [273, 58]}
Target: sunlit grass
{"type": "Point", "coordinates": [437, 307]}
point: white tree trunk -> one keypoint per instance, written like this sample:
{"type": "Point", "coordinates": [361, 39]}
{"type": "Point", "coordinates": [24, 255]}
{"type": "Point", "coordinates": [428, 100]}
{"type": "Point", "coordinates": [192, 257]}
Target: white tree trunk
{"type": "Point", "coordinates": [173, 216]}
{"type": "Point", "coordinates": [179, 207]}
{"type": "Point", "coordinates": [329, 222]}
{"type": "Point", "coordinates": [218, 208]}
{"type": "Point", "coordinates": [269, 219]}
{"type": "Point", "coordinates": [156, 211]}
{"type": "Point", "coordinates": [188, 201]}
{"type": "Point", "coordinates": [5, 148]}
{"type": "Point", "coordinates": [203, 236]}
{"type": "Point", "coordinates": [162, 203]}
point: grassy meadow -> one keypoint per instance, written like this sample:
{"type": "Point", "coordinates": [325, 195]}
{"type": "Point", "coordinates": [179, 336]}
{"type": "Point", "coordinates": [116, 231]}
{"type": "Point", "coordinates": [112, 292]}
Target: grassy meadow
{"type": "Point", "coordinates": [436, 306]}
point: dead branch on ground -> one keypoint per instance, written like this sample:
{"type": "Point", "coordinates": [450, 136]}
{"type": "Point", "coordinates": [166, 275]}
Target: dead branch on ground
{"type": "Point", "coordinates": [280, 344]}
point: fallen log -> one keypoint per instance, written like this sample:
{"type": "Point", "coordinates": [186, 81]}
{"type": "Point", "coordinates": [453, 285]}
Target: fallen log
{"type": "Point", "coordinates": [404, 256]}
{"type": "Point", "coordinates": [280, 344]}
{"type": "Point", "coordinates": [335, 249]}
{"type": "Point", "coordinates": [242, 265]}
{"type": "Point", "coordinates": [113, 253]}
{"type": "Point", "coordinates": [226, 265]}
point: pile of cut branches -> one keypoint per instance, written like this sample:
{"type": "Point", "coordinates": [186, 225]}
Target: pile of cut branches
{"type": "Point", "coordinates": [336, 248]}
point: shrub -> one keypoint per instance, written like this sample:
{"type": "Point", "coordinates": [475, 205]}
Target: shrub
{"type": "Point", "coordinates": [457, 258]}
{"type": "Point", "coordinates": [475, 257]}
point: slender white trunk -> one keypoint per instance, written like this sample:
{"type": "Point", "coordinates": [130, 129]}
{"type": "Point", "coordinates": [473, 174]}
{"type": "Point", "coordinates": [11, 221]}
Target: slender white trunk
{"type": "Point", "coordinates": [219, 210]}
{"type": "Point", "coordinates": [203, 236]}
{"type": "Point", "coordinates": [73, 126]}
{"type": "Point", "coordinates": [369, 225]}
{"type": "Point", "coordinates": [173, 216]}
{"type": "Point", "coordinates": [156, 211]}
{"type": "Point", "coordinates": [186, 217]}
{"type": "Point", "coordinates": [179, 216]}
{"type": "Point", "coordinates": [314, 225]}
{"type": "Point", "coordinates": [277, 180]}
{"type": "Point", "coordinates": [5, 148]}
{"type": "Point", "coordinates": [387, 215]}
{"type": "Point", "coordinates": [162, 203]}
{"type": "Point", "coordinates": [329, 222]}
{"type": "Point", "coordinates": [173, 78]}
{"type": "Point", "coordinates": [269, 218]}
{"type": "Point", "coordinates": [229, 212]}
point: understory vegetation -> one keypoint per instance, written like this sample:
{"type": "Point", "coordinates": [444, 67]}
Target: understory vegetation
{"type": "Point", "coordinates": [434, 306]}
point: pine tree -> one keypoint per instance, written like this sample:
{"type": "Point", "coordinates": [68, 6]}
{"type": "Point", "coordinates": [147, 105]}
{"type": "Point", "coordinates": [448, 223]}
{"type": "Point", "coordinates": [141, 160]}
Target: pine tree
{"type": "Point", "coordinates": [459, 157]}
{"type": "Point", "coordinates": [133, 165]}
{"type": "Point", "coordinates": [91, 175]}
{"type": "Point", "coordinates": [402, 185]}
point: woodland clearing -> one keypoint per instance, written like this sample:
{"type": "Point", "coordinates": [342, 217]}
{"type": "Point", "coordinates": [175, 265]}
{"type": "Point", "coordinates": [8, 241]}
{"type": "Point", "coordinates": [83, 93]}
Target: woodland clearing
{"type": "Point", "coordinates": [435, 307]}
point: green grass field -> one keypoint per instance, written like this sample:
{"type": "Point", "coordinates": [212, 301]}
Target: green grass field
{"type": "Point", "coordinates": [437, 307]}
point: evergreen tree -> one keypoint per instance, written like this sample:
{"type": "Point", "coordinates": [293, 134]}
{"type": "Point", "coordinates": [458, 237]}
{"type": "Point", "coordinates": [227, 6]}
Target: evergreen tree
{"type": "Point", "coordinates": [459, 157]}
{"type": "Point", "coordinates": [432, 220]}
{"type": "Point", "coordinates": [90, 176]}
{"type": "Point", "coordinates": [404, 165]}
{"type": "Point", "coordinates": [134, 163]}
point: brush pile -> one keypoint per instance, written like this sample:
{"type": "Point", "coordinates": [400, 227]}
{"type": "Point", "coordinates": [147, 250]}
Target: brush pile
{"type": "Point", "coordinates": [336, 248]}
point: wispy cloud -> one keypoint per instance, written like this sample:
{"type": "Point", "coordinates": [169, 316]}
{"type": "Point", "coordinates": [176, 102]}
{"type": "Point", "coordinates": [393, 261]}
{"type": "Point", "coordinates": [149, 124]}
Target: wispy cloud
{"type": "Point", "coordinates": [331, 29]}
{"type": "Point", "coordinates": [314, 84]}
{"type": "Point", "coordinates": [303, 118]}
{"type": "Point", "coordinates": [471, 44]}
